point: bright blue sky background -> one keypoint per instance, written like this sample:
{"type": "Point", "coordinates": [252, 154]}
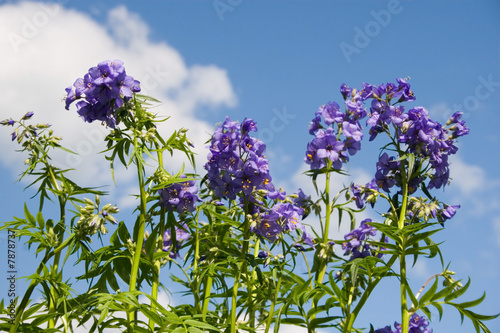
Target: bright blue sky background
{"type": "Point", "coordinates": [262, 58]}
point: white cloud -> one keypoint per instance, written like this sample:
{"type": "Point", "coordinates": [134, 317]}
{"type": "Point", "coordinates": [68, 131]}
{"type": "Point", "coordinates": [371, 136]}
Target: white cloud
{"type": "Point", "coordinates": [48, 46]}
{"type": "Point", "coordinates": [441, 112]}
{"type": "Point", "coordinates": [467, 178]}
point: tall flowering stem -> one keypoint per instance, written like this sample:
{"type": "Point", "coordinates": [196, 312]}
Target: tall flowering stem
{"type": "Point", "coordinates": [326, 229]}
{"type": "Point", "coordinates": [405, 314]}
{"type": "Point", "coordinates": [140, 234]}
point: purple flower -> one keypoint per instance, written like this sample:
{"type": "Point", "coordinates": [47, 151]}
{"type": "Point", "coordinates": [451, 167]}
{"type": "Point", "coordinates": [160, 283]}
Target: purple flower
{"type": "Point", "coordinates": [315, 125]}
{"type": "Point", "coordinates": [458, 127]}
{"type": "Point", "coordinates": [386, 329]}
{"type": "Point", "coordinates": [106, 88]}
{"type": "Point", "coordinates": [404, 92]}
{"type": "Point", "coordinates": [448, 212]}
{"type": "Point", "coordinates": [8, 122]}
{"type": "Point", "coordinates": [28, 115]}
{"type": "Point", "coordinates": [329, 147]}
{"type": "Point", "coordinates": [181, 235]}
{"type": "Point", "coordinates": [331, 113]}
{"type": "Point", "coordinates": [248, 125]}
{"type": "Point", "coordinates": [278, 194]}
{"type": "Point", "coordinates": [345, 91]}
{"type": "Point", "coordinates": [263, 254]}
{"type": "Point", "coordinates": [180, 197]}
{"type": "Point", "coordinates": [301, 199]}
{"type": "Point", "coordinates": [307, 239]}
{"type": "Point", "coordinates": [269, 227]}
{"type": "Point", "coordinates": [417, 324]}
{"type": "Point", "coordinates": [355, 244]}
{"type": "Point", "coordinates": [312, 157]}
{"type": "Point", "coordinates": [236, 162]}
{"type": "Point", "coordinates": [14, 134]}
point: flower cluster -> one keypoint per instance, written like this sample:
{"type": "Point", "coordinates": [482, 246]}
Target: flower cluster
{"type": "Point", "coordinates": [418, 324]}
{"type": "Point", "coordinates": [106, 88]}
{"type": "Point", "coordinates": [180, 197]}
{"type": "Point", "coordinates": [236, 162]}
{"type": "Point", "coordinates": [422, 136]}
{"type": "Point", "coordinates": [326, 147]}
{"type": "Point", "coordinates": [414, 132]}
{"type": "Point", "coordinates": [282, 217]}
{"type": "Point", "coordinates": [181, 235]}
{"type": "Point", "coordinates": [356, 243]}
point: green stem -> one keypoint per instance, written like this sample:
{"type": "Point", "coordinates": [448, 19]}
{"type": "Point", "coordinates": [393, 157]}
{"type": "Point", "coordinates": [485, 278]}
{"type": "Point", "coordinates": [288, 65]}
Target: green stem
{"type": "Point", "coordinates": [323, 263]}
{"type": "Point", "coordinates": [139, 241]}
{"type": "Point", "coordinates": [62, 208]}
{"type": "Point", "coordinates": [405, 314]}
{"type": "Point", "coordinates": [362, 300]}
{"type": "Point", "coordinates": [405, 317]}
{"type": "Point", "coordinates": [243, 267]}
{"type": "Point", "coordinates": [349, 317]}
{"type": "Point", "coordinates": [273, 304]}
{"type": "Point", "coordinates": [208, 279]}
{"type": "Point", "coordinates": [206, 295]}
{"type": "Point", "coordinates": [157, 266]}
{"type": "Point", "coordinates": [251, 308]}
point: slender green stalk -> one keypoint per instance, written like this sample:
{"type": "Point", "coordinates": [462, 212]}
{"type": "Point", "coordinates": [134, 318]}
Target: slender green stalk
{"type": "Point", "coordinates": [273, 304]}
{"type": "Point", "coordinates": [349, 317]}
{"type": "Point", "coordinates": [157, 266]}
{"type": "Point", "coordinates": [251, 308]}
{"type": "Point", "coordinates": [405, 314]}
{"type": "Point", "coordinates": [371, 286]}
{"type": "Point", "coordinates": [55, 267]}
{"type": "Point", "coordinates": [323, 264]}
{"type": "Point", "coordinates": [243, 267]}
{"type": "Point", "coordinates": [206, 296]}
{"type": "Point", "coordinates": [139, 240]}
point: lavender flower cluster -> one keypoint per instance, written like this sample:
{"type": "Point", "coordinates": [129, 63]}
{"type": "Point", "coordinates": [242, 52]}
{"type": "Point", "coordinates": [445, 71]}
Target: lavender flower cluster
{"type": "Point", "coordinates": [237, 167]}
{"type": "Point", "coordinates": [281, 217]}
{"type": "Point", "coordinates": [414, 132]}
{"type": "Point", "coordinates": [180, 197]}
{"type": "Point", "coordinates": [328, 122]}
{"type": "Point", "coordinates": [356, 244]}
{"type": "Point", "coordinates": [106, 88]}
{"type": "Point", "coordinates": [236, 162]}
{"type": "Point", "coordinates": [418, 324]}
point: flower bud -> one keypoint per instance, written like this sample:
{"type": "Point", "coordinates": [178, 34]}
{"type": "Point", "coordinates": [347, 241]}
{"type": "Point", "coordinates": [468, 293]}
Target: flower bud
{"type": "Point", "coordinates": [28, 115]}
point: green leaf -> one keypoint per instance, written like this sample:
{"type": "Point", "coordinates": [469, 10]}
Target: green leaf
{"type": "Point", "coordinates": [200, 324]}
{"type": "Point", "coordinates": [458, 292]}
{"type": "Point", "coordinates": [29, 218]}
{"type": "Point", "coordinates": [429, 293]}
{"type": "Point", "coordinates": [40, 220]}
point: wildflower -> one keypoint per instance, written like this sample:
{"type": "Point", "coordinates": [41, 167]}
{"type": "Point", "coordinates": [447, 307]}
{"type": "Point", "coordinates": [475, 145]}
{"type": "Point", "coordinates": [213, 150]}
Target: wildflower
{"type": "Point", "coordinates": [356, 245]}
{"type": "Point", "coordinates": [106, 88]}
{"type": "Point", "coordinates": [179, 196]}
{"type": "Point", "coordinates": [417, 324]}
{"type": "Point", "coordinates": [181, 235]}
{"type": "Point", "coordinates": [236, 162]}
{"type": "Point", "coordinates": [28, 115]}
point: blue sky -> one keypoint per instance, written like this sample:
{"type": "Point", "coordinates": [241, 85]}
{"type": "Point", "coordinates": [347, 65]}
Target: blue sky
{"type": "Point", "coordinates": [276, 62]}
